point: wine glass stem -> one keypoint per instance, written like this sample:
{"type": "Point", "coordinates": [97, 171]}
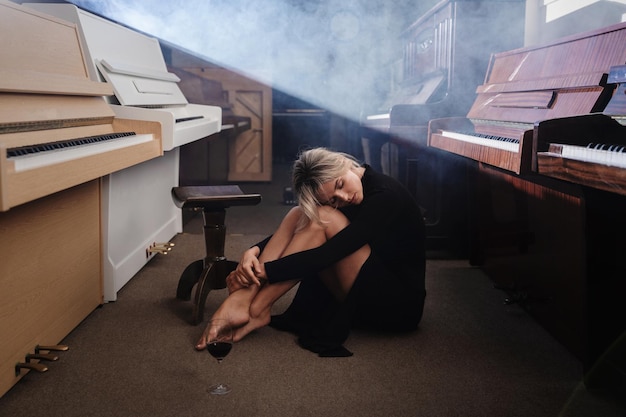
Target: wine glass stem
{"type": "Point", "coordinates": [220, 388]}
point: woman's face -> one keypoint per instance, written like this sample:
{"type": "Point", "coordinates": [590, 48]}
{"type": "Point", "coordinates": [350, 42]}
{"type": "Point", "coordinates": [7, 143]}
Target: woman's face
{"type": "Point", "coordinates": [343, 191]}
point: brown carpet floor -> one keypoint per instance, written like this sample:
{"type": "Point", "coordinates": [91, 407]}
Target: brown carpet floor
{"type": "Point", "coordinates": [472, 356]}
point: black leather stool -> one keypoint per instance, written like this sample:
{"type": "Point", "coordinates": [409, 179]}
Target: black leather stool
{"type": "Point", "coordinates": [209, 273]}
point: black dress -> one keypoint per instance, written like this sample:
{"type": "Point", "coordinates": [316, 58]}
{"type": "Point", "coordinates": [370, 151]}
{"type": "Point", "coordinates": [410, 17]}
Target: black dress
{"type": "Point", "coordinates": [388, 293]}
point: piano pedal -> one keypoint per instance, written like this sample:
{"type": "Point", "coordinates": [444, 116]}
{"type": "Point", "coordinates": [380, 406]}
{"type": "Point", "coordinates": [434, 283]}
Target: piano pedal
{"type": "Point", "coordinates": [51, 348]}
{"type": "Point", "coordinates": [38, 367]}
{"type": "Point", "coordinates": [515, 295]}
{"type": "Point", "coordinates": [42, 357]}
{"type": "Point", "coordinates": [522, 296]}
{"type": "Point", "coordinates": [162, 248]}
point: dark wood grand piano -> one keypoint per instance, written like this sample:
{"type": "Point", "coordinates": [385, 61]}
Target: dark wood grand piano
{"type": "Point", "coordinates": [543, 228]}
{"type": "Point", "coordinates": [444, 58]}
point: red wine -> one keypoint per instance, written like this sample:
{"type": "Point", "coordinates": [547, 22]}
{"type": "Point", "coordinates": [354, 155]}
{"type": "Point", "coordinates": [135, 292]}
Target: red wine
{"type": "Point", "coordinates": [219, 350]}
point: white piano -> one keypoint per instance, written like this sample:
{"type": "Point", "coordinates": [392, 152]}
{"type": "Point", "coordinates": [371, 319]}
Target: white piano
{"type": "Point", "coordinates": [137, 208]}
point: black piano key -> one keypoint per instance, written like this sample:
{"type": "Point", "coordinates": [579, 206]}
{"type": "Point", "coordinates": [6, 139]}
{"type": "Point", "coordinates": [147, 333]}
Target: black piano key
{"type": "Point", "coordinates": [610, 147]}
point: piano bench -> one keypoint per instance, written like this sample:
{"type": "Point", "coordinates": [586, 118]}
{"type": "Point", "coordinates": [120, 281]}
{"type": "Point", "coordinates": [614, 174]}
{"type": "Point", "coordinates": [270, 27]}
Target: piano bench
{"type": "Point", "coordinates": [209, 273]}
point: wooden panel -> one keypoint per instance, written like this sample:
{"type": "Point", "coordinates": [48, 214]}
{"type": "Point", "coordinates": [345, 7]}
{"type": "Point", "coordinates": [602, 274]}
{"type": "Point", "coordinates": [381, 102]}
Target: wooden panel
{"type": "Point", "coordinates": [47, 111]}
{"type": "Point", "coordinates": [551, 245]}
{"type": "Point", "coordinates": [43, 71]}
{"type": "Point", "coordinates": [246, 154]}
{"type": "Point", "coordinates": [588, 53]}
{"type": "Point", "coordinates": [529, 237]}
{"type": "Point", "coordinates": [567, 102]}
{"type": "Point", "coordinates": [50, 276]}
{"type": "Point", "coordinates": [247, 97]}
{"type": "Point", "coordinates": [600, 176]}
{"type": "Point", "coordinates": [250, 154]}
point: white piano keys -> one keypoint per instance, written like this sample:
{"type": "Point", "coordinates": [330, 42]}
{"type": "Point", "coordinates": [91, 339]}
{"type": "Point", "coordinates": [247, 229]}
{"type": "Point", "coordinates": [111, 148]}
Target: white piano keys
{"type": "Point", "coordinates": [41, 159]}
{"type": "Point", "coordinates": [175, 134]}
{"type": "Point", "coordinates": [511, 146]}
{"type": "Point", "coordinates": [610, 155]}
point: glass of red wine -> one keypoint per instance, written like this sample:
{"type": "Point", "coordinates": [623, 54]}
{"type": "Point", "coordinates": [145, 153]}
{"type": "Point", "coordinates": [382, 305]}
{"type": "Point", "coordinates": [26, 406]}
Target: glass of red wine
{"type": "Point", "coordinates": [219, 344]}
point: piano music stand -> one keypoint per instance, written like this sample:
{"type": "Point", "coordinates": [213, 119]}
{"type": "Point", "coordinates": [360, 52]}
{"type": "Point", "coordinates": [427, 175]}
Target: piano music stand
{"type": "Point", "coordinates": [209, 273]}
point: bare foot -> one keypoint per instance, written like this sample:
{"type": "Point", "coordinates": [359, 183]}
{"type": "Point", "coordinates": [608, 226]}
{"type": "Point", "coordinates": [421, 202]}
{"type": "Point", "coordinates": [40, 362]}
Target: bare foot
{"type": "Point", "coordinates": [235, 309]}
{"type": "Point", "coordinates": [255, 322]}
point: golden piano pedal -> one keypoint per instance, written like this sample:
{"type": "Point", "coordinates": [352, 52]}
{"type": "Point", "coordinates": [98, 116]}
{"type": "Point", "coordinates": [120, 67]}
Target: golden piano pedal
{"type": "Point", "coordinates": [38, 366]}
{"type": "Point", "coordinates": [163, 248]}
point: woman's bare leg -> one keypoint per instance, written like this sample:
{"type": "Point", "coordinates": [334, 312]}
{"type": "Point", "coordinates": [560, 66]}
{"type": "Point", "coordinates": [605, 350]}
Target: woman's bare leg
{"type": "Point", "coordinates": [250, 307]}
{"type": "Point", "coordinates": [339, 278]}
{"type": "Point", "coordinates": [236, 307]}
{"type": "Point", "coordinates": [288, 240]}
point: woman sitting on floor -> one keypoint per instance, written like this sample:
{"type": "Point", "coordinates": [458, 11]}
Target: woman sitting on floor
{"type": "Point", "coordinates": [354, 243]}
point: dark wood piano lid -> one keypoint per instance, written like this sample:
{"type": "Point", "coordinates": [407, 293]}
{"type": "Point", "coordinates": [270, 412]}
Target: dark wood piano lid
{"type": "Point", "coordinates": [567, 62]}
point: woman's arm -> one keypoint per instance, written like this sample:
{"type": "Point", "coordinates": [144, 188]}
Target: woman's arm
{"type": "Point", "coordinates": [370, 223]}
{"type": "Point", "coordinates": [251, 269]}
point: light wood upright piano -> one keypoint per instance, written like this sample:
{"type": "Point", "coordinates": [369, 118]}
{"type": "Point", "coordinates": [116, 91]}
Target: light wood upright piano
{"type": "Point", "coordinates": [58, 137]}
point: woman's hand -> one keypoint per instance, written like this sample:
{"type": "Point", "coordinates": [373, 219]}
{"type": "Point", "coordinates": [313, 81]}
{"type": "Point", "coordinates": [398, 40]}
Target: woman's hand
{"type": "Point", "coordinates": [233, 284]}
{"type": "Point", "coordinates": [249, 271]}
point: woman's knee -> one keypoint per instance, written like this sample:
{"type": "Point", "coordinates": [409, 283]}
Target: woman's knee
{"type": "Point", "coordinates": [334, 220]}
{"type": "Point", "coordinates": [313, 227]}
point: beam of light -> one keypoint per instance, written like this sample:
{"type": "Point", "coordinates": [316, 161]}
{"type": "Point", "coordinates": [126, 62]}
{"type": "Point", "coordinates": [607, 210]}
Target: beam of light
{"type": "Point", "coordinates": [329, 53]}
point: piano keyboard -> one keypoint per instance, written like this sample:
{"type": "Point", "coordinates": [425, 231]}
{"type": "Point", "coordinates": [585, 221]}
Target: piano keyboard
{"type": "Point", "coordinates": [499, 142]}
{"type": "Point", "coordinates": [37, 156]}
{"type": "Point", "coordinates": [607, 154]}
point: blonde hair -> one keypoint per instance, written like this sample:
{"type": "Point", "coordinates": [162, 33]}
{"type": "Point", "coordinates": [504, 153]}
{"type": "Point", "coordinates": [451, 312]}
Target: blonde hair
{"type": "Point", "coordinates": [312, 169]}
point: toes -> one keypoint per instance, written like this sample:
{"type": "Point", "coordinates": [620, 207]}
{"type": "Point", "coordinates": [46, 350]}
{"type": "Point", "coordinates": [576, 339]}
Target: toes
{"type": "Point", "coordinates": [201, 344]}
